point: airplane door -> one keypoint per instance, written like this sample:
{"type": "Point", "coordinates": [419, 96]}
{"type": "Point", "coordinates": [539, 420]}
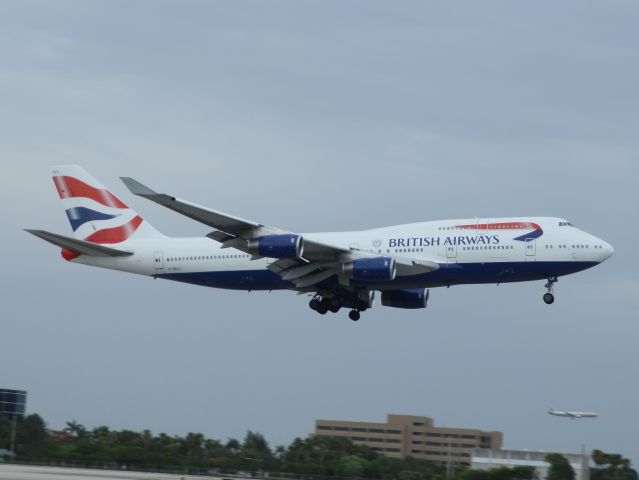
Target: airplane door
{"type": "Point", "coordinates": [531, 249]}
{"type": "Point", "coordinates": [158, 261]}
{"type": "Point", "coordinates": [451, 251]}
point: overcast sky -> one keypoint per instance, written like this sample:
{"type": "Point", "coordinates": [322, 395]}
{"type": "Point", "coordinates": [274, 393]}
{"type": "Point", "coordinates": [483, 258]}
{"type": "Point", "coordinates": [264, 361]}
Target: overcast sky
{"type": "Point", "coordinates": [314, 116]}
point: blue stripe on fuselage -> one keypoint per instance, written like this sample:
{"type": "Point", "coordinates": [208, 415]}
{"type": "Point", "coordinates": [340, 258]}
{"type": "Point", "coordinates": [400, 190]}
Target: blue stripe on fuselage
{"type": "Point", "coordinates": [448, 274]}
{"type": "Point", "coordinates": [530, 236]}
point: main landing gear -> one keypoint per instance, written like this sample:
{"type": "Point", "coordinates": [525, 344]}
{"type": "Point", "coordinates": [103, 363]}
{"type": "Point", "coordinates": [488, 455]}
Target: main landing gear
{"type": "Point", "coordinates": [323, 305]}
{"type": "Point", "coordinates": [549, 297]}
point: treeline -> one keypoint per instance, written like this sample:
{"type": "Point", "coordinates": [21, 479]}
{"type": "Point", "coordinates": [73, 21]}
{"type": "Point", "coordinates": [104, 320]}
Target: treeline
{"type": "Point", "coordinates": [312, 456]}
{"type": "Point", "coordinates": [315, 455]}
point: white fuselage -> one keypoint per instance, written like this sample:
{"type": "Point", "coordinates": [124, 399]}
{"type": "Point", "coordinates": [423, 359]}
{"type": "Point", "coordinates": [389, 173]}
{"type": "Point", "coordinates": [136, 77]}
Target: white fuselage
{"type": "Point", "coordinates": [467, 251]}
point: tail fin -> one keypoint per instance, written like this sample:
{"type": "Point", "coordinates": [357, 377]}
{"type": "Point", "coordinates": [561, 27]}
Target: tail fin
{"type": "Point", "coordinates": [95, 214]}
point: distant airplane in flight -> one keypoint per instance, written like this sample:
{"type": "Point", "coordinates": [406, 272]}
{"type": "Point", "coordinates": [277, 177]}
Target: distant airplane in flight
{"type": "Point", "coordinates": [340, 269]}
{"type": "Point", "coordinates": [573, 415]}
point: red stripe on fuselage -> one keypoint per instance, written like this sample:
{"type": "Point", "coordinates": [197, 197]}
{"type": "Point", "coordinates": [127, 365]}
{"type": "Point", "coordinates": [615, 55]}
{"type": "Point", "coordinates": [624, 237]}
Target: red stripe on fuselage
{"type": "Point", "coordinates": [503, 226]}
{"type": "Point", "coordinates": [69, 187]}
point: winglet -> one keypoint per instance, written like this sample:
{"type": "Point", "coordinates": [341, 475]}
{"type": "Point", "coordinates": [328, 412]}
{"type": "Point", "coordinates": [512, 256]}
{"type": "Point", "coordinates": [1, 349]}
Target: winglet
{"type": "Point", "coordinates": [136, 188]}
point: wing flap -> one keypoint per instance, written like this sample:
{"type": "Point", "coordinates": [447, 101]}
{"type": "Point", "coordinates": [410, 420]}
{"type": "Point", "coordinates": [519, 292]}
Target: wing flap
{"type": "Point", "coordinates": [406, 266]}
{"type": "Point", "coordinates": [79, 246]}
{"type": "Point", "coordinates": [310, 280]}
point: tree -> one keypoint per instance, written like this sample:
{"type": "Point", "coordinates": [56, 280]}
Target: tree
{"type": "Point", "coordinates": [32, 437]}
{"type": "Point", "coordinates": [352, 466]}
{"type": "Point", "coordinates": [76, 429]}
{"type": "Point", "coordinates": [5, 432]}
{"type": "Point", "coordinates": [611, 466]}
{"type": "Point", "coordinates": [560, 468]}
{"type": "Point", "coordinates": [522, 472]}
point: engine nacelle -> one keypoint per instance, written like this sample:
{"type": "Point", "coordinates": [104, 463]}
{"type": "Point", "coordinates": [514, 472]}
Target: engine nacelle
{"type": "Point", "coordinates": [409, 298]}
{"type": "Point", "coordinates": [370, 269]}
{"type": "Point", "coordinates": [277, 246]}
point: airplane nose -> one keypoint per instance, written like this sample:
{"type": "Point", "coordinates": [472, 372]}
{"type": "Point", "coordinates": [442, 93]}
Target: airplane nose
{"type": "Point", "coordinates": [607, 250]}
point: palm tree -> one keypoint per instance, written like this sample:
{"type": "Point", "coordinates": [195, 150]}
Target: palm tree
{"type": "Point", "coordinates": [76, 429]}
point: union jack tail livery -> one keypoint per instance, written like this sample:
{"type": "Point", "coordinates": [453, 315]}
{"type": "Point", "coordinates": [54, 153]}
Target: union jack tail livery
{"type": "Point", "coordinates": [95, 214]}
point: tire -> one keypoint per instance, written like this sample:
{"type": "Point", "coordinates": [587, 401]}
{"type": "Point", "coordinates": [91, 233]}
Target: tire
{"type": "Point", "coordinates": [549, 298]}
{"type": "Point", "coordinates": [353, 315]}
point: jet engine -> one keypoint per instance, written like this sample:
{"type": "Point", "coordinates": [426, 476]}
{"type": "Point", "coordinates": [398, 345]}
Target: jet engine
{"type": "Point", "coordinates": [277, 246]}
{"type": "Point", "coordinates": [370, 269]}
{"type": "Point", "coordinates": [409, 298]}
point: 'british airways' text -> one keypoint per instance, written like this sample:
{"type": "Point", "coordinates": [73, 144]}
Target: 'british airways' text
{"type": "Point", "coordinates": [430, 241]}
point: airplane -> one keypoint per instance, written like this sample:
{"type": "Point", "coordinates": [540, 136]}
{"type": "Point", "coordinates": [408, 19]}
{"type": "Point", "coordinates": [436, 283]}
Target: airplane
{"type": "Point", "coordinates": [572, 415]}
{"type": "Point", "coordinates": [338, 269]}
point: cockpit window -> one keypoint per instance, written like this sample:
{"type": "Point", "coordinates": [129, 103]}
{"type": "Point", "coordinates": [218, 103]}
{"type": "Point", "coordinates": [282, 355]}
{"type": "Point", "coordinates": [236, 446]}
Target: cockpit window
{"type": "Point", "coordinates": [565, 224]}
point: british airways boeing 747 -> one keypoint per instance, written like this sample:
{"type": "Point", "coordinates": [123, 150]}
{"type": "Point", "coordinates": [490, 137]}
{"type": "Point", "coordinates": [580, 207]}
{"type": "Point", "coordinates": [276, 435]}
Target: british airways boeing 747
{"type": "Point", "coordinates": [572, 415]}
{"type": "Point", "coordinates": [340, 269]}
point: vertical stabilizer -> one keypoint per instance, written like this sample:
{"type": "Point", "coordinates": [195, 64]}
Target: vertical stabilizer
{"type": "Point", "coordinates": [94, 213]}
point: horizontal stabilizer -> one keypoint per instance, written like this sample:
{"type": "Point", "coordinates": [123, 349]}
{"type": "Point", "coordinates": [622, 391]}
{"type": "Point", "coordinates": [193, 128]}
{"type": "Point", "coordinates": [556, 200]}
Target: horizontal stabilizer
{"type": "Point", "coordinates": [79, 246]}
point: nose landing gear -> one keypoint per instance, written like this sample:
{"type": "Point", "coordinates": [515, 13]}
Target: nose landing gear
{"type": "Point", "coordinates": [549, 297]}
{"type": "Point", "coordinates": [353, 315]}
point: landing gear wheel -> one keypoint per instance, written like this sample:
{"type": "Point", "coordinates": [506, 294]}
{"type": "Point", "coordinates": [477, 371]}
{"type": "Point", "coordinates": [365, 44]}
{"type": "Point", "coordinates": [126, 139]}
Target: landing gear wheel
{"type": "Point", "coordinates": [353, 315]}
{"type": "Point", "coordinates": [323, 306]}
{"type": "Point", "coordinates": [549, 297]}
{"type": "Point", "coordinates": [314, 304]}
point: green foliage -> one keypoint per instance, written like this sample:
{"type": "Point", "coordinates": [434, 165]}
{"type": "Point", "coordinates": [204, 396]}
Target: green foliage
{"type": "Point", "coordinates": [32, 438]}
{"type": "Point", "coordinates": [5, 432]}
{"type": "Point", "coordinates": [502, 473]}
{"type": "Point", "coordinates": [560, 468]}
{"type": "Point", "coordinates": [352, 466]}
{"type": "Point", "coordinates": [315, 455]}
{"type": "Point", "coordinates": [611, 466]}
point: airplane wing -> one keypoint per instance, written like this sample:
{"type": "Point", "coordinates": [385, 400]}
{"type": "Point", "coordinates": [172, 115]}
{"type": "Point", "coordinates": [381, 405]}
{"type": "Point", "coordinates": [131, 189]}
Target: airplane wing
{"type": "Point", "coordinates": [320, 260]}
{"type": "Point", "coordinates": [231, 231]}
{"type": "Point", "coordinates": [79, 246]}
{"type": "Point", "coordinates": [224, 222]}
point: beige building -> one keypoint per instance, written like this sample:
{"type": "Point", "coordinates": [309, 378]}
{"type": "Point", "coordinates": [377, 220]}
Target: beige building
{"type": "Point", "coordinates": [409, 436]}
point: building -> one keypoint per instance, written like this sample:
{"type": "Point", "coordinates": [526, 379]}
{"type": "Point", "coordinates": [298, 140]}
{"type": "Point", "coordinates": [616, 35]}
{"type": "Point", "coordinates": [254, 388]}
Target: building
{"type": "Point", "coordinates": [409, 436]}
{"type": "Point", "coordinates": [484, 459]}
{"type": "Point", "coordinates": [13, 403]}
